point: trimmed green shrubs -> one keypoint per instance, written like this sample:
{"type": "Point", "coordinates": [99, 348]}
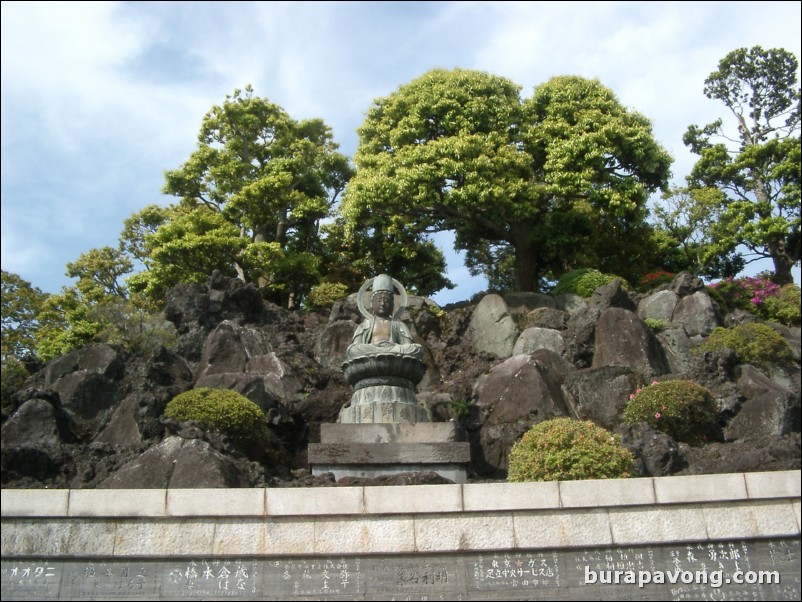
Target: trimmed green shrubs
{"type": "Point", "coordinates": [656, 324]}
{"type": "Point", "coordinates": [583, 282]}
{"type": "Point", "coordinates": [681, 409]}
{"type": "Point", "coordinates": [755, 343]}
{"type": "Point", "coordinates": [564, 449]}
{"type": "Point", "coordinates": [785, 307]}
{"type": "Point", "coordinates": [225, 411]}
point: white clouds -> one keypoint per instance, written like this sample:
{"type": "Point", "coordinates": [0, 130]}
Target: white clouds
{"type": "Point", "coordinates": [60, 61]}
{"type": "Point", "coordinates": [99, 98]}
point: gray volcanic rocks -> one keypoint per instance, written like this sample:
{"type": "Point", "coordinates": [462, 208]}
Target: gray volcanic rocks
{"type": "Point", "coordinates": [497, 365]}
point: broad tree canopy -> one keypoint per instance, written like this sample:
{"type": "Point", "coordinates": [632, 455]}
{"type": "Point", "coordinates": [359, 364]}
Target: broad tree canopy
{"type": "Point", "coordinates": [459, 150]}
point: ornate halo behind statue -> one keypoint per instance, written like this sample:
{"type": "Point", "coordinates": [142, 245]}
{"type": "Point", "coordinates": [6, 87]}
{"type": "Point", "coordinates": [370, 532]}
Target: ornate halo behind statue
{"type": "Point", "coordinates": [360, 301]}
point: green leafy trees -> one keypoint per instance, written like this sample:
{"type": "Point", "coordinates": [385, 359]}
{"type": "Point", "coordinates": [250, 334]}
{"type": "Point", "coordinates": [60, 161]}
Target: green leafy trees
{"type": "Point", "coordinates": [40, 325]}
{"type": "Point", "coordinates": [100, 308]}
{"type": "Point", "coordinates": [75, 317]}
{"type": "Point", "coordinates": [685, 219]}
{"type": "Point", "coordinates": [65, 323]}
{"type": "Point", "coordinates": [21, 304]}
{"type": "Point", "coordinates": [325, 294]}
{"type": "Point", "coordinates": [252, 197]}
{"type": "Point", "coordinates": [187, 247]}
{"type": "Point", "coordinates": [353, 255]}
{"type": "Point", "coordinates": [137, 228]}
{"type": "Point", "coordinates": [551, 183]}
{"type": "Point", "coordinates": [564, 449]}
{"type": "Point", "coordinates": [100, 274]}
{"type": "Point", "coordinates": [757, 168]}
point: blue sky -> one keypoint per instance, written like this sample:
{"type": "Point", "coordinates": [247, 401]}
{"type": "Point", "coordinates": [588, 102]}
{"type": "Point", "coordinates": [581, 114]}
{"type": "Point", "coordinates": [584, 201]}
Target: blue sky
{"type": "Point", "coordinates": [99, 99]}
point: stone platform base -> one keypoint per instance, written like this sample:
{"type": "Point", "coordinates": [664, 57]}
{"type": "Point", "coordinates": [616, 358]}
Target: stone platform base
{"type": "Point", "coordinates": [372, 450]}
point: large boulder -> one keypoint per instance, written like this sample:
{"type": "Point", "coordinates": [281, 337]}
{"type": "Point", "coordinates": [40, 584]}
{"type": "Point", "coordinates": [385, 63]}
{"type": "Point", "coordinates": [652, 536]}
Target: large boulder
{"type": "Point", "coordinates": [104, 360]}
{"type": "Point", "coordinates": [240, 358]}
{"type": "Point", "coordinates": [422, 315]}
{"type": "Point", "coordinates": [581, 330]}
{"type": "Point", "coordinates": [622, 339]}
{"type": "Point", "coordinates": [570, 303]}
{"type": "Point", "coordinates": [754, 454]}
{"type": "Point", "coordinates": [345, 309]}
{"type": "Point", "coordinates": [546, 317]}
{"type": "Point", "coordinates": [87, 396]}
{"type": "Point", "coordinates": [678, 349]}
{"type": "Point", "coordinates": [535, 338]}
{"type": "Point", "coordinates": [123, 428]}
{"type": "Point", "coordinates": [177, 463]}
{"type": "Point", "coordinates": [230, 347]}
{"type": "Point", "coordinates": [658, 306]}
{"type": "Point", "coordinates": [196, 309]}
{"type": "Point", "coordinates": [187, 306]}
{"type": "Point", "coordinates": [163, 375]}
{"type": "Point", "coordinates": [37, 423]}
{"type": "Point", "coordinates": [685, 284]}
{"type": "Point", "coordinates": [33, 437]}
{"type": "Point", "coordinates": [769, 410]}
{"type": "Point", "coordinates": [522, 303]}
{"type": "Point", "coordinates": [88, 382]}
{"type": "Point", "coordinates": [697, 314]}
{"type": "Point", "coordinates": [279, 379]}
{"type": "Point", "coordinates": [601, 394]}
{"type": "Point", "coordinates": [333, 342]}
{"type": "Point", "coordinates": [493, 329]}
{"type": "Point", "coordinates": [656, 454]}
{"type": "Point", "coordinates": [517, 394]}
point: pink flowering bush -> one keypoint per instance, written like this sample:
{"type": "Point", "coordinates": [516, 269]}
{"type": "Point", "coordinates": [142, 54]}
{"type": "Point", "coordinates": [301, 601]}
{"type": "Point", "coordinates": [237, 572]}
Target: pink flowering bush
{"type": "Point", "coordinates": [752, 294]}
{"type": "Point", "coordinates": [681, 409]}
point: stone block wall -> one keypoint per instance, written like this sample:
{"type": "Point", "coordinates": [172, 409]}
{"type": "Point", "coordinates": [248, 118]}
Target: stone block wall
{"type": "Point", "coordinates": [726, 536]}
{"type": "Point", "coordinates": [475, 517]}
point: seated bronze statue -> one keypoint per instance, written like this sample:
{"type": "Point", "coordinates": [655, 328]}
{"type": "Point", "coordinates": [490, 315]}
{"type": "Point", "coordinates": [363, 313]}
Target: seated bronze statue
{"type": "Point", "coordinates": [381, 332]}
{"type": "Point", "coordinates": [383, 363]}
